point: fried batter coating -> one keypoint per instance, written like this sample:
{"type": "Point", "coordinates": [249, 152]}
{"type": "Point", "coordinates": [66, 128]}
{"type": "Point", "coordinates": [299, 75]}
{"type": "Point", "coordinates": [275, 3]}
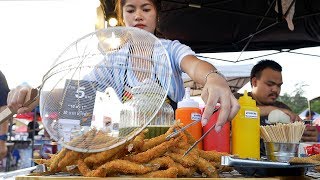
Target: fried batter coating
{"type": "Point", "coordinates": [167, 162]}
{"type": "Point", "coordinates": [88, 139]}
{"type": "Point", "coordinates": [83, 168]}
{"type": "Point", "coordinates": [81, 141]}
{"type": "Point", "coordinates": [155, 152]}
{"type": "Point", "coordinates": [41, 161]}
{"type": "Point", "coordinates": [220, 167]}
{"type": "Point", "coordinates": [137, 142]}
{"type": "Point", "coordinates": [192, 154]}
{"type": "Point", "coordinates": [171, 172]}
{"type": "Point", "coordinates": [190, 138]}
{"type": "Point", "coordinates": [69, 159]}
{"type": "Point", "coordinates": [162, 162]}
{"type": "Point", "coordinates": [56, 159]}
{"type": "Point", "coordinates": [150, 143]}
{"type": "Point", "coordinates": [303, 160]}
{"type": "Point", "coordinates": [102, 157]}
{"type": "Point", "coordinates": [317, 168]}
{"type": "Point", "coordinates": [186, 162]}
{"type": "Point", "coordinates": [212, 155]}
{"type": "Point", "coordinates": [183, 171]}
{"type": "Point", "coordinates": [315, 157]}
{"type": "Point", "coordinates": [207, 168]}
{"type": "Point", "coordinates": [120, 166]}
{"type": "Point", "coordinates": [102, 140]}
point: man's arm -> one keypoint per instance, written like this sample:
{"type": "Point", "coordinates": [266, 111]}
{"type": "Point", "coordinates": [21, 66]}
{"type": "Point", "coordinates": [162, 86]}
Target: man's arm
{"type": "Point", "coordinates": [310, 133]}
{"type": "Point", "coordinates": [3, 132]}
{"type": "Point", "coordinates": [265, 110]}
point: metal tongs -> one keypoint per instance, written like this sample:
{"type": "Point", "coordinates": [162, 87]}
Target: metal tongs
{"type": "Point", "coordinates": [30, 100]}
{"type": "Point", "coordinates": [35, 169]}
{"type": "Point", "coordinates": [174, 134]}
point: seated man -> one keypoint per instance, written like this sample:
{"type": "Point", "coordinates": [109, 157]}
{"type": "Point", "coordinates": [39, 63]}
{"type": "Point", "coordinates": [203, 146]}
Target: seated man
{"type": "Point", "coordinates": [266, 81]}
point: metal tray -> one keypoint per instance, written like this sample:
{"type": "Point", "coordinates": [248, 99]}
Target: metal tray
{"type": "Point", "coordinates": [264, 168]}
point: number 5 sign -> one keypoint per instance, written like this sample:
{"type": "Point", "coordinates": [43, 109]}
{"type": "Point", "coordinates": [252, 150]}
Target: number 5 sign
{"type": "Point", "coordinates": [78, 101]}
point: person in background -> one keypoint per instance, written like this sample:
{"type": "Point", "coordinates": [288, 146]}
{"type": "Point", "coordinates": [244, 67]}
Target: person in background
{"type": "Point", "coordinates": [4, 89]}
{"type": "Point", "coordinates": [266, 82]}
{"type": "Point", "coordinates": [33, 129]}
{"type": "Point", "coordinates": [143, 14]}
{"type": "Point", "coordinates": [310, 116]}
{"type": "Point", "coordinates": [33, 126]}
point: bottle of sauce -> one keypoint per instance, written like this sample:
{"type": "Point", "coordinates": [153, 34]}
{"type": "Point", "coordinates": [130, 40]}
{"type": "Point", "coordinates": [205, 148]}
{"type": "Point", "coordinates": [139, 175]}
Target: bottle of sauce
{"type": "Point", "coordinates": [217, 141]}
{"type": "Point", "coordinates": [188, 111]}
{"type": "Point", "coordinates": [246, 129]}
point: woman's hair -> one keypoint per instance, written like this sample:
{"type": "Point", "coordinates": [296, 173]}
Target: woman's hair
{"type": "Point", "coordinates": [119, 9]}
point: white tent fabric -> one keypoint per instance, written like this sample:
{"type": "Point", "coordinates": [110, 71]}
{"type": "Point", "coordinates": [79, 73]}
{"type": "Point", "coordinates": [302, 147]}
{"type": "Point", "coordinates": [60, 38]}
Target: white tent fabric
{"type": "Point", "coordinates": [237, 76]}
{"type": "Point", "coordinates": [302, 115]}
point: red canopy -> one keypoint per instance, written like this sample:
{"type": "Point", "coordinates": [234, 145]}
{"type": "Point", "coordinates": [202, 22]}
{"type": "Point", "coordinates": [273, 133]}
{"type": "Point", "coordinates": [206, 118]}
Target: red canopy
{"type": "Point", "coordinates": [28, 116]}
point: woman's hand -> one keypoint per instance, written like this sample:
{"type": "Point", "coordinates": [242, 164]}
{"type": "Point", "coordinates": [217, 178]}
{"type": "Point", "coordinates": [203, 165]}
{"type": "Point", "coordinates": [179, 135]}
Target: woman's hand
{"type": "Point", "coordinates": [17, 97]}
{"type": "Point", "coordinates": [216, 90]}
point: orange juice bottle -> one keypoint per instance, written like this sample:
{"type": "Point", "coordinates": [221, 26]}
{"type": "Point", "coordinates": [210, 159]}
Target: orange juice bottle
{"type": "Point", "coordinates": [188, 111]}
{"type": "Point", "coordinates": [246, 129]}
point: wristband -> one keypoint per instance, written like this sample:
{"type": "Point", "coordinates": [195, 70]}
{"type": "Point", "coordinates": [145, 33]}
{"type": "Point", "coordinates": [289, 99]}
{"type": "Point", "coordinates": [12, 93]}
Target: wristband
{"type": "Point", "coordinates": [3, 137]}
{"type": "Point", "coordinates": [214, 71]}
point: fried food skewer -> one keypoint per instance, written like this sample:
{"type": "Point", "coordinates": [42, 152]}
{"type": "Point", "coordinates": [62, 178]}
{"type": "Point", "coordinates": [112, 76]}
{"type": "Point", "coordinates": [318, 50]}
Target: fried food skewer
{"type": "Point", "coordinates": [150, 143]}
{"type": "Point", "coordinates": [171, 172]}
{"type": "Point", "coordinates": [207, 168]}
{"type": "Point", "coordinates": [117, 166]}
{"type": "Point", "coordinates": [55, 161]}
{"type": "Point", "coordinates": [98, 158]}
{"type": "Point", "coordinates": [150, 154]}
{"type": "Point", "coordinates": [70, 158]}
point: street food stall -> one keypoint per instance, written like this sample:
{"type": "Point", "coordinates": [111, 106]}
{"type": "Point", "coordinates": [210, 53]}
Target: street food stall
{"type": "Point", "coordinates": [113, 143]}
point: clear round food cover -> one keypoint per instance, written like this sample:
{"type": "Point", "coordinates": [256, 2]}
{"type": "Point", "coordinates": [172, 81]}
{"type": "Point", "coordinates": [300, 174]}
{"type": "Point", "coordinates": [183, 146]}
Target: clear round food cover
{"type": "Point", "coordinates": [105, 88]}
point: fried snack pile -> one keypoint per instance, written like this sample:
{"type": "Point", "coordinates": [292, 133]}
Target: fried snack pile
{"type": "Point", "coordinates": [314, 159]}
{"type": "Point", "coordinates": [141, 157]}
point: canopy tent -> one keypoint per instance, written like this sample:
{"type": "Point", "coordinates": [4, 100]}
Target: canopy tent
{"type": "Point", "coordinates": [302, 115]}
{"type": "Point", "coordinates": [236, 75]}
{"type": "Point", "coordinates": [211, 26]}
{"type": "Point", "coordinates": [238, 25]}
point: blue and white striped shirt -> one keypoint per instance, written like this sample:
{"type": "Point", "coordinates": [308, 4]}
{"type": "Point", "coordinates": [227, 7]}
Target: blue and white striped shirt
{"type": "Point", "coordinates": [116, 75]}
{"type": "Point", "coordinates": [176, 52]}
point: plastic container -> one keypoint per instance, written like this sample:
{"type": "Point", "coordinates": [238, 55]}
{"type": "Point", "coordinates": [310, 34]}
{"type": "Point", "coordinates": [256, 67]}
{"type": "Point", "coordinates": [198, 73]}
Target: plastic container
{"type": "Point", "coordinates": [188, 111]}
{"type": "Point", "coordinates": [246, 129]}
{"type": "Point", "coordinates": [217, 141]}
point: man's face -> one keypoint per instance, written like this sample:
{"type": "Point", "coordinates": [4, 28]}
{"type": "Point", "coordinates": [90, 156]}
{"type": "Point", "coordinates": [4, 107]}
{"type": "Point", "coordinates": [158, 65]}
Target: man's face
{"type": "Point", "coordinates": [267, 88]}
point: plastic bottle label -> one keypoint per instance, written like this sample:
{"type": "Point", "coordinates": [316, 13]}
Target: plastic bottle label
{"type": "Point", "coordinates": [251, 114]}
{"type": "Point", "coordinates": [195, 116]}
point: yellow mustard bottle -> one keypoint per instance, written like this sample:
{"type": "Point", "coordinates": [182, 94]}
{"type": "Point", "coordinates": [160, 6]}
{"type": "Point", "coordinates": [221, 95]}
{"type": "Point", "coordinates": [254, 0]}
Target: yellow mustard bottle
{"type": "Point", "coordinates": [246, 129]}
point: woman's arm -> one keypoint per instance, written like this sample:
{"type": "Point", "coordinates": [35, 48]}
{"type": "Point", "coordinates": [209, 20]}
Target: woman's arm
{"type": "Point", "coordinates": [216, 89]}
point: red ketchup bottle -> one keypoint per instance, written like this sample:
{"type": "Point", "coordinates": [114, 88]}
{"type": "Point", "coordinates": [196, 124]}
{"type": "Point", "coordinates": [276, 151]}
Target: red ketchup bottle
{"type": "Point", "coordinates": [216, 141]}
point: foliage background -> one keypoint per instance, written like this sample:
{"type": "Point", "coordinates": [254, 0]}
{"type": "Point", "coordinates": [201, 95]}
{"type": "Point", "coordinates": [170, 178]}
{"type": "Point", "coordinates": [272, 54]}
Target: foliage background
{"type": "Point", "coordinates": [297, 102]}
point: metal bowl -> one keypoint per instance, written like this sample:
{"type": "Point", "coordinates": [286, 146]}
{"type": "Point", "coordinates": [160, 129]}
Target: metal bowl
{"type": "Point", "coordinates": [281, 152]}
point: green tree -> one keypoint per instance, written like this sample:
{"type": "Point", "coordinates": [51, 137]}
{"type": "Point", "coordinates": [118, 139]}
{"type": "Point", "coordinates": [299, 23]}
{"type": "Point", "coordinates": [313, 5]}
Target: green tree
{"type": "Point", "coordinates": [315, 106]}
{"type": "Point", "coordinates": [296, 101]}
